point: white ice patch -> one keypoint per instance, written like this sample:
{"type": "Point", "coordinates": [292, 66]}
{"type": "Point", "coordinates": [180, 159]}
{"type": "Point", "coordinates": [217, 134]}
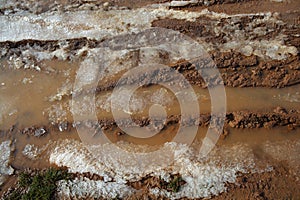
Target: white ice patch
{"type": "Point", "coordinates": [57, 112]}
{"type": "Point", "coordinates": [204, 178]}
{"type": "Point", "coordinates": [86, 188]}
{"type": "Point", "coordinates": [91, 24]}
{"type": "Point", "coordinates": [33, 152]}
{"type": "Point", "coordinates": [5, 153]}
{"type": "Point", "coordinates": [102, 25]}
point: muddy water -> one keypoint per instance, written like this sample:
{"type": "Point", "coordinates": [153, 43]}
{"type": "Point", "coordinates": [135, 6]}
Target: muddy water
{"type": "Point", "coordinates": [29, 97]}
{"type": "Point", "coordinates": [25, 93]}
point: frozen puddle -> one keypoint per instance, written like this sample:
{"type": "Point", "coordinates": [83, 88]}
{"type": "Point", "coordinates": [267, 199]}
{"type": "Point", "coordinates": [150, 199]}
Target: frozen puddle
{"type": "Point", "coordinates": [204, 177]}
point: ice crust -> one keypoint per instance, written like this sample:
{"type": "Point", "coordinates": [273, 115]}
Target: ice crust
{"type": "Point", "coordinates": [204, 177]}
{"type": "Point", "coordinates": [5, 153]}
{"type": "Point", "coordinates": [105, 24]}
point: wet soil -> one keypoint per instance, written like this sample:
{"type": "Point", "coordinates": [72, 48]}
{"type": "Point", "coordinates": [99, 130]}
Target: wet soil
{"type": "Point", "coordinates": [269, 185]}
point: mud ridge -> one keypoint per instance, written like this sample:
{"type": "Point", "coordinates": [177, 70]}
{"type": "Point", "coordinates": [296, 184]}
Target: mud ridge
{"type": "Point", "coordinates": [280, 117]}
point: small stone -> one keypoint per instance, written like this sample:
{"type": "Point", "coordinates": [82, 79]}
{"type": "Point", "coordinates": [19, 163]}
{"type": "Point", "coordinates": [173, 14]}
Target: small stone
{"type": "Point", "coordinates": [119, 133]}
{"type": "Point", "coordinates": [291, 127]}
{"type": "Point", "coordinates": [269, 125]}
{"type": "Point", "coordinates": [280, 110]}
{"type": "Point", "coordinates": [40, 132]}
{"type": "Point", "coordinates": [180, 3]}
{"type": "Point", "coordinates": [106, 4]}
{"type": "Point", "coordinates": [63, 126]}
{"type": "Point", "coordinates": [232, 124]}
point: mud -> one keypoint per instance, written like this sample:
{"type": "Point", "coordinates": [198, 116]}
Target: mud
{"type": "Point", "coordinates": [264, 186]}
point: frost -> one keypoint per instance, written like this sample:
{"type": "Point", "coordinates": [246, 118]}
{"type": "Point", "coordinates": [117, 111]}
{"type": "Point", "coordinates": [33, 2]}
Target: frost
{"type": "Point", "coordinates": [23, 62]}
{"type": "Point", "coordinates": [82, 23]}
{"type": "Point", "coordinates": [57, 113]}
{"type": "Point", "coordinates": [102, 25]}
{"type": "Point", "coordinates": [203, 177]}
{"type": "Point", "coordinates": [31, 151]}
{"type": "Point", "coordinates": [5, 168]}
{"type": "Point", "coordinates": [86, 188]}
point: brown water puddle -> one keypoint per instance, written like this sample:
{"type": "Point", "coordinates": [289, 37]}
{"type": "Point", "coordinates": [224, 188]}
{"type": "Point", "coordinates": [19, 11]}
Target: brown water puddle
{"type": "Point", "coordinates": [29, 97]}
{"type": "Point", "coordinates": [24, 93]}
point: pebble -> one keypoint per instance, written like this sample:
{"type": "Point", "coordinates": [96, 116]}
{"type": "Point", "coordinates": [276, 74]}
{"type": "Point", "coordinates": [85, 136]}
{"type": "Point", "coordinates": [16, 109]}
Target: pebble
{"type": "Point", "coordinates": [106, 4]}
{"type": "Point", "coordinates": [40, 132]}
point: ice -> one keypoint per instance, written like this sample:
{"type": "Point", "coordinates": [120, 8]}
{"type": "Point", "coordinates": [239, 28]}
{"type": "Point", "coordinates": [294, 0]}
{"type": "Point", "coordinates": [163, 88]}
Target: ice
{"type": "Point", "coordinates": [31, 151]}
{"type": "Point", "coordinates": [137, 104]}
{"type": "Point", "coordinates": [102, 25]}
{"type": "Point", "coordinates": [103, 102]}
{"type": "Point", "coordinates": [203, 178]}
{"type": "Point", "coordinates": [182, 3]}
{"type": "Point", "coordinates": [57, 113]}
{"type": "Point", "coordinates": [81, 23]}
{"type": "Point", "coordinates": [85, 188]}
{"type": "Point", "coordinates": [5, 153]}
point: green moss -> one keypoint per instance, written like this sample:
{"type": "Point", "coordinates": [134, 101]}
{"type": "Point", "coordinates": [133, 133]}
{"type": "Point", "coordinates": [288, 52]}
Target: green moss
{"type": "Point", "coordinates": [24, 179]}
{"type": "Point", "coordinates": [14, 195]}
{"type": "Point", "coordinates": [40, 186]}
{"type": "Point", "coordinates": [175, 184]}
